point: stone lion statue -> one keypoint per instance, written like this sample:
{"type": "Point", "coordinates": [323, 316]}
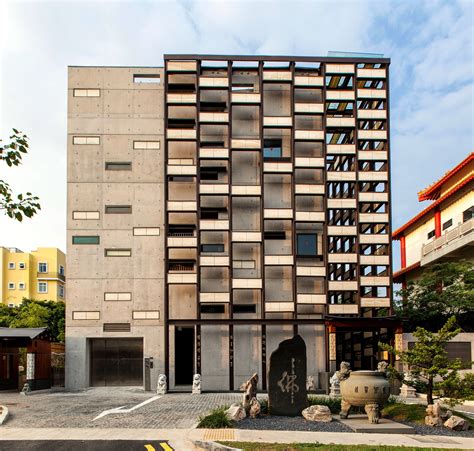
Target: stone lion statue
{"type": "Point", "coordinates": [382, 367]}
{"type": "Point", "coordinates": [197, 384]}
{"type": "Point", "coordinates": [344, 371]}
{"type": "Point", "coordinates": [162, 385]}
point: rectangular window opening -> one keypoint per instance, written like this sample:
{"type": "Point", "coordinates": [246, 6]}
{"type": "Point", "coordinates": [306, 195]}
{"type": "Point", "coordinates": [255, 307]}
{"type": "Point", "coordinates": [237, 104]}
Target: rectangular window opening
{"type": "Point", "coordinates": [146, 78]}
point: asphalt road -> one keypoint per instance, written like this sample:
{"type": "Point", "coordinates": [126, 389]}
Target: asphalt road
{"type": "Point", "coordinates": [84, 445]}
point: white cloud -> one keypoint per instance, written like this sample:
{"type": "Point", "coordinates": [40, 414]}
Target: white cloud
{"type": "Point", "coordinates": [430, 44]}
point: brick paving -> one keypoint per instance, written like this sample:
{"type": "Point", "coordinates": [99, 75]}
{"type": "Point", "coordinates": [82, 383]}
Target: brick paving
{"type": "Point", "coordinates": [77, 410]}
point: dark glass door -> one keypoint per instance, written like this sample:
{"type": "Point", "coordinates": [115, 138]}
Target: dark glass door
{"type": "Point", "coordinates": [184, 355]}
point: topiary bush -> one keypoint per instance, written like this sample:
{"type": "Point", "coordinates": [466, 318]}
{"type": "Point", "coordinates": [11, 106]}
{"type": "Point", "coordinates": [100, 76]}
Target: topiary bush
{"type": "Point", "coordinates": [216, 419]}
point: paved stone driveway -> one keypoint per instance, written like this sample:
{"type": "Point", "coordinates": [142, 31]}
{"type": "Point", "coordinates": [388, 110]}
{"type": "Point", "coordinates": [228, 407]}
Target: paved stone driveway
{"type": "Point", "coordinates": [66, 410]}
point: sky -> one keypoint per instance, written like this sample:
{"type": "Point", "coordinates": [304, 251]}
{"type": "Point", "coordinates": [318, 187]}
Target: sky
{"type": "Point", "coordinates": [430, 44]}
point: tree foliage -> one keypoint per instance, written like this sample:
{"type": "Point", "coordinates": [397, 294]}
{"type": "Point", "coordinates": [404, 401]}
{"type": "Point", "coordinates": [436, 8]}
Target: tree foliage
{"type": "Point", "coordinates": [429, 366]}
{"type": "Point", "coordinates": [442, 291]}
{"type": "Point", "coordinates": [31, 313]}
{"type": "Point", "coordinates": [16, 206]}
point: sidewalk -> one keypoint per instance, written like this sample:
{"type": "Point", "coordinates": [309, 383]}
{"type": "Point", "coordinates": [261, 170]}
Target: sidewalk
{"type": "Point", "coordinates": [182, 439]}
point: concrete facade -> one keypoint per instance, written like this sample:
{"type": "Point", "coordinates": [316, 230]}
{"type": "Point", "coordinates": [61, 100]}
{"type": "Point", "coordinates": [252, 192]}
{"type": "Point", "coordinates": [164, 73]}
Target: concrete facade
{"type": "Point", "coordinates": [219, 205]}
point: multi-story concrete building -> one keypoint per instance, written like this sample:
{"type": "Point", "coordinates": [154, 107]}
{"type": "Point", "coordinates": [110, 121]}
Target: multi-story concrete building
{"type": "Point", "coordinates": [219, 205]}
{"type": "Point", "coordinates": [443, 231]}
{"type": "Point", "coordinates": [39, 275]}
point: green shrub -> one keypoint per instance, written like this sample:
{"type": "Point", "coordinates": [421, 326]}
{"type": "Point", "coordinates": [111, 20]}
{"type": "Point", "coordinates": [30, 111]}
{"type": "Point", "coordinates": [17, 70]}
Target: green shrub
{"type": "Point", "coordinates": [334, 404]}
{"type": "Point", "coordinates": [459, 388]}
{"type": "Point", "coordinates": [216, 419]}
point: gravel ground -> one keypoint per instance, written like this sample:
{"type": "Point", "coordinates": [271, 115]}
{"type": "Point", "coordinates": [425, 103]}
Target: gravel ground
{"type": "Point", "coordinates": [290, 424]}
{"type": "Point", "coordinates": [422, 429]}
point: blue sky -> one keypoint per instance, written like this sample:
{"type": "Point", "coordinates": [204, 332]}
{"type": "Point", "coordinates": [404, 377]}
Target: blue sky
{"type": "Point", "coordinates": [430, 44]}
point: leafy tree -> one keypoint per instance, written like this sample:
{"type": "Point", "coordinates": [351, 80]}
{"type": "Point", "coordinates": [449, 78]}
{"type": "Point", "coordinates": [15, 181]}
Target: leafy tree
{"type": "Point", "coordinates": [24, 204]}
{"type": "Point", "coordinates": [31, 313]}
{"type": "Point", "coordinates": [428, 363]}
{"type": "Point", "coordinates": [442, 291]}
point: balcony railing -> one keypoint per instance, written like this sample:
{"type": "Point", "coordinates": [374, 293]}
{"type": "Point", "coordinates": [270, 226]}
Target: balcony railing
{"type": "Point", "coordinates": [51, 275]}
{"type": "Point", "coordinates": [448, 238]}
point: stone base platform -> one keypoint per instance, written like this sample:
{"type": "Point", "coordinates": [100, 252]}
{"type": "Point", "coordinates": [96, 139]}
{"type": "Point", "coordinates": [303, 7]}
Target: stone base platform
{"type": "Point", "coordinates": [360, 423]}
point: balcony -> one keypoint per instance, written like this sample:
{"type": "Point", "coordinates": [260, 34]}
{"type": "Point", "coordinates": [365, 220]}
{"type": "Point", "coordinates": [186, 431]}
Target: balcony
{"type": "Point", "coordinates": [372, 114]}
{"type": "Point", "coordinates": [319, 299]}
{"type": "Point", "coordinates": [371, 93]}
{"type": "Point", "coordinates": [308, 81]}
{"type": "Point", "coordinates": [371, 73]}
{"type": "Point", "coordinates": [344, 309]}
{"type": "Point", "coordinates": [301, 107]}
{"type": "Point", "coordinates": [451, 245]}
{"type": "Point", "coordinates": [51, 276]}
{"type": "Point", "coordinates": [213, 82]}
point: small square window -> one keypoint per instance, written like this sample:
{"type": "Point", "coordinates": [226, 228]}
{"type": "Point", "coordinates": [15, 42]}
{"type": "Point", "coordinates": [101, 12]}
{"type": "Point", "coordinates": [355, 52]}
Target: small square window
{"type": "Point", "coordinates": [42, 267]}
{"type": "Point", "coordinates": [11, 286]}
{"type": "Point", "coordinates": [11, 265]}
{"type": "Point", "coordinates": [42, 287]}
{"type": "Point", "coordinates": [431, 234]}
{"type": "Point", "coordinates": [448, 224]}
{"type": "Point", "coordinates": [22, 286]}
{"type": "Point", "coordinates": [22, 265]}
{"type": "Point", "coordinates": [468, 214]}
{"type": "Point", "coordinates": [307, 245]}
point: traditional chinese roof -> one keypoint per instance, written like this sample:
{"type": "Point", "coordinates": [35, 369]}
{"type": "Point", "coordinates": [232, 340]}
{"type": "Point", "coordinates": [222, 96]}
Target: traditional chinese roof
{"type": "Point", "coordinates": [432, 192]}
{"type": "Point", "coordinates": [400, 231]}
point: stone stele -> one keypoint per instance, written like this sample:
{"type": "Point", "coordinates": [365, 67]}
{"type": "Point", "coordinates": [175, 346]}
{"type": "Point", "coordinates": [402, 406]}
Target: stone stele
{"type": "Point", "coordinates": [317, 413]}
{"type": "Point", "coordinates": [287, 394]}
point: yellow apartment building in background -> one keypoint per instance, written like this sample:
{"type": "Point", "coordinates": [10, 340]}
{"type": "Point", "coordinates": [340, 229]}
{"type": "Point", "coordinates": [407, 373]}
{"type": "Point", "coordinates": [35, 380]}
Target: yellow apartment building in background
{"type": "Point", "coordinates": [39, 275]}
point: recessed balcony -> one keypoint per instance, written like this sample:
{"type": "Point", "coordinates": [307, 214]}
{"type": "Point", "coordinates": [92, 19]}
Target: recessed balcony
{"type": "Point", "coordinates": [277, 121]}
{"type": "Point", "coordinates": [373, 217]}
{"type": "Point", "coordinates": [310, 216]}
{"type": "Point", "coordinates": [277, 75]}
{"type": "Point", "coordinates": [311, 271]}
{"type": "Point", "coordinates": [373, 176]}
{"type": "Point", "coordinates": [214, 297]}
{"type": "Point", "coordinates": [343, 309]}
{"type": "Point", "coordinates": [341, 257]}
{"type": "Point", "coordinates": [371, 73]}
{"type": "Point", "coordinates": [176, 241]}
{"type": "Point", "coordinates": [308, 81]}
{"type": "Point", "coordinates": [175, 278]}
{"type": "Point", "coordinates": [182, 206]}
{"type": "Point", "coordinates": [371, 93]}
{"type": "Point", "coordinates": [374, 281]}
{"type": "Point", "coordinates": [319, 299]}
{"type": "Point", "coordinates": [213, 82]}
{"type": "Point", "coordinates": [301, 162]}
{"type": "Point", "coordinates": [181, 66]}
{"type": "Point", "coordinates": [340, 149]}
{"type": "Point", "coordinates": [342, 203]}
{"type": "Point", "coordinates": [374, 260]}
{"type": "Point", "coordinates": [340, 68]}
{"type": "Point", "coordinates": [211, 260]}
{"type": "Point", "coordinates": [281, 260]}
{"type": "Point", "coordinates": [378, 155]}
{"type": "Point", "coordinates": [278, 213]}
{"type": "Point", "coordinates": [185, 98]}
{"type": "Point", "coordinates": [313, 135]}
{"type": "Point", "coordinates": [217, 188]}
{"type": "Point", "coordinates": [342, 285]}
{"type": "Point", "coordinates": [340, 95]}
{"type": "Point", "coordinates": [372, 134]}
{"type": "Point", "coordinates": [218, 224]}
{"type": "Point", "coordinates": [374, 239]}
{"type": "Point", "coordinates": [342, 230]}
{"type": "Point", "coordinates": [246, 237]}
{"type": "Point", "coordinates": [181, 168]}
{"type": "Point", "coordinates": [246, 283]}
{"type": "Point", "coordinates": [371, 114]}
{"type": "Point", "coordinates": [341, 176]}
{"type": "Point", "coordinates": [340, 122]}
{"type": "Point", "coordinates": [246, 190]}
{"type": "Point", "coordinates": [279, 307]}
{"type": "Point", "coordinates": [375, 302]}
{"type": "Point", "coordinates": [373, 197]}
{"type": "Point", "coordinates": [246, 143]}
{"type": "Point", "coordinates": [277, 167]}
{"type": "Point", "coordinates": [317, 108]}
{"type": "Point", "coordinates": [213, 153]}
{"type": "Point", "coordinates": [211, 117]}
{"type": "Point", "coordinates": [247, 98]}
{"type": "Point", "coordinates": [309, 189]}
{"type": "Point", "coordinates": [177, 133]}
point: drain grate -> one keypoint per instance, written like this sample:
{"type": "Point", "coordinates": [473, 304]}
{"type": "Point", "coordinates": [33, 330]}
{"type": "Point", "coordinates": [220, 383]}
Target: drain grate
{"type": "Point", "coordinates": [219, 434]}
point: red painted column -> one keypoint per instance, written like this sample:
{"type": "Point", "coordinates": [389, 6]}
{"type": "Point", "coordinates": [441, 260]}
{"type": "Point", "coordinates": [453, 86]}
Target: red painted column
{"type": "Point", "coordinates": [403, 252]}
{"type": "Point", "coordinates": [437, 218]}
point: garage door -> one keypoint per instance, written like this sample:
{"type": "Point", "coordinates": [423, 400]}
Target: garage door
{"type": "Point", "coordinates": [116, 361]}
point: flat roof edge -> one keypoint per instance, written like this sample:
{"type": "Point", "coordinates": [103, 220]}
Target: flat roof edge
{"type": "Point", "coordinates": [172, 56]}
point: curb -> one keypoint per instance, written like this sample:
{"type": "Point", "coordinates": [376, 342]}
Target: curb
{"type": "Point", "coordinates": [213, 446]}
{"type": "Point", "coordinates": [3, 414]}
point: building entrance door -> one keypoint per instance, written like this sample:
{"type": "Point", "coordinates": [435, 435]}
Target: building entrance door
{"type": "Point", "coordinates": [184, 355]}
{"type": "Point", "coordinates": [116, 361]}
